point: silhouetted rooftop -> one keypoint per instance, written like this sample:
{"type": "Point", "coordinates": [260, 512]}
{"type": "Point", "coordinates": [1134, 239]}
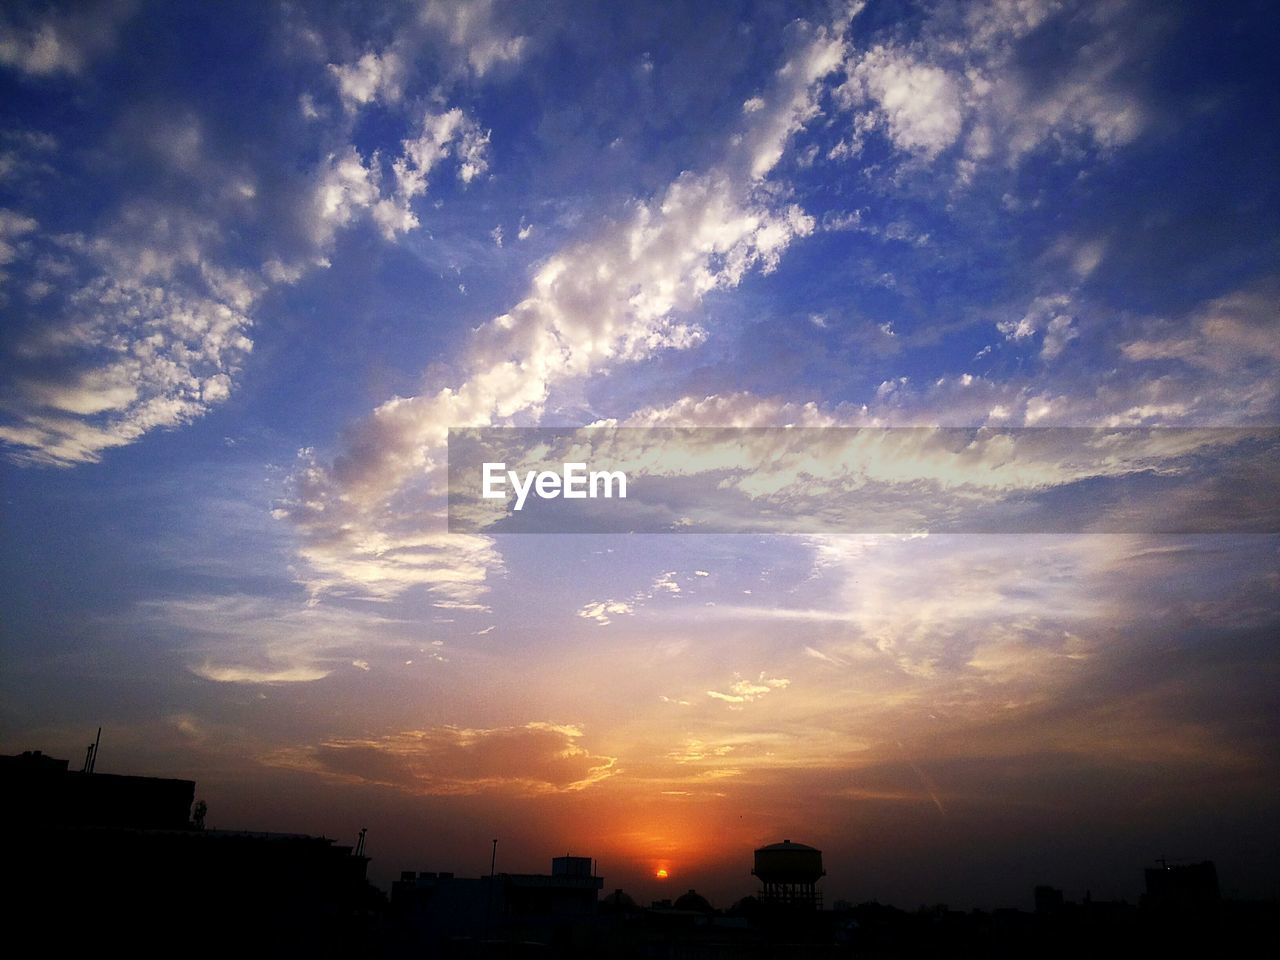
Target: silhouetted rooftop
{"type": "Point", "coordinates": [787, 845]}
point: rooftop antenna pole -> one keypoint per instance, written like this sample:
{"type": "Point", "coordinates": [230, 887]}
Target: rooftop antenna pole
{"type": "Point", "coordinates": [93, 757]}
{"type": "Point", "coordinates": [488, 906]}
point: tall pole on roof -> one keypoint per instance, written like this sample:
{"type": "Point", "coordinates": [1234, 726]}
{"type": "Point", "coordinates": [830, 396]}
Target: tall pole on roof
{"type": "Point", "coordinates": [488, 906]}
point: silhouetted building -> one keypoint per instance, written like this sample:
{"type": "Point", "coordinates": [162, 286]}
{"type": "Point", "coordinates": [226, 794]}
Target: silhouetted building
{"type": "Point", "coordinates": [789, 874]}
{"type": "Point", "coordinates": [693, 901]}
{"type": "Point", "coordinates": [619, 902]}
{"type": "Point", "coordinates": [36, 789]}
{"type": "Point", "coordinates": [1048, 900]}
{"type": "Point", "coordinates": [570, 891]}
{"type": "Point", "coordinates": [531, 907]}
{"type": "Point", "coordinates": [119, 856]}
{"type": "Point", "coordinates": [1182, 884]}
{"type": "Point", "coordinates": [567, 866]}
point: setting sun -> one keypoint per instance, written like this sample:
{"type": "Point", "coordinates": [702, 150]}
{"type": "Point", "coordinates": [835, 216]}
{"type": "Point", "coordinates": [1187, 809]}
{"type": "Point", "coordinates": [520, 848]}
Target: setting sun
{"type": "Point", "coordinates": [661, 874]}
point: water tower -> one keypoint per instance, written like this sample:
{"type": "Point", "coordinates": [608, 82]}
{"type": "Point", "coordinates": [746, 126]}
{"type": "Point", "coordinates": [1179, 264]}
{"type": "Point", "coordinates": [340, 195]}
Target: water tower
{"type": "Point", "coordinates": [790, 873]}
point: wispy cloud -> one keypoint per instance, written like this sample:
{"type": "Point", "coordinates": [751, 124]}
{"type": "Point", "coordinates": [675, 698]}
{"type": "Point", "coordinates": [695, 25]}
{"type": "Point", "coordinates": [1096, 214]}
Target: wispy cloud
{"type": "Point", "coordinates": [616, 298]}
{"type": "Point", "coordinates": [534, 758]}
{"type": "Point", "coordinates": [960, 84]}
{"type": "Point", "coordinates": [746, 690]}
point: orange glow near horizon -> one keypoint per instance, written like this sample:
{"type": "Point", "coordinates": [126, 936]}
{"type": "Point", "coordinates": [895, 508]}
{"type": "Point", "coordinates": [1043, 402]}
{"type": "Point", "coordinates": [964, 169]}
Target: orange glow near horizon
{"type": "Point", "coordinates": [661, 873]}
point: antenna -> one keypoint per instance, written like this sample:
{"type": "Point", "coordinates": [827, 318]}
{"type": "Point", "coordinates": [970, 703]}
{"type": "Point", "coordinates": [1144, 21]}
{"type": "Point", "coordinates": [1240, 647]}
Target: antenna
{"type": "Point", "coordinates": [488, 905]}
{"type": "Point", "coordinates": [91, 757]}
{"type": "Point", "coordinates": [360, 842]}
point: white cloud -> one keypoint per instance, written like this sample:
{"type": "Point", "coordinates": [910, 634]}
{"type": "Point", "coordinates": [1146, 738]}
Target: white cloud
{"type": "Point", "coordinates": [666, 583]}
{"type": "Point", "coordinates": [602, 611]}
{"type": "Point", "coordinates": [961, 83]}
{"type": "Point", "coordinates": [608, 301]}
{"type": "Point", "coordinates": [532, 758]}
{"type": "Point", "coordinates": [241, 674]}
{"type": "Point", "coordinates": [12, 227]}
{"type": "Point", "coordinates": [612, 298]}
{"type": "Point", "coordinates": [792, 100]}
{"type": "Point", "coordinates": [40, 51]}
{"type": "Point", "coordinates": [371, 78]}
{"type": "Point", "coordinates": [873, 479]}
{"type": "Point", "coordinates": [1223, 336]}
{"type": "Point", "coordinates": [442, 134]}
{"type": "Point", "coordinates": [749, 690]}
{"type": "Point", "coordinates": [134, 351]}
{"type": "Point", "coordinates": [919, 103]}
{"type": "Point", "coordinates": [60, 42]}
{"type": "Point", "coordinates": [347, 186]}
{"type": "Point", "coordinates": [381, 561]}
{"type": "Point", "coordinates": [1058, 333]}
{"type": "Point", "coordinates": [263, 640]}
{"type": "Point", "coordinates": [144, 324]}
{"type": "Point", "coordinates": [473, 28]}
{"type": "Point", "coordinates": [1050, 315]}
{"type": "Point", "coordinates": [741, 409]}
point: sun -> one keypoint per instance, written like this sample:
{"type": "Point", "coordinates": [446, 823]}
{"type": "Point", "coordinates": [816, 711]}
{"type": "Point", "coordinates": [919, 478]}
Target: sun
{"type": "Point", "coordinates": [662, 873]}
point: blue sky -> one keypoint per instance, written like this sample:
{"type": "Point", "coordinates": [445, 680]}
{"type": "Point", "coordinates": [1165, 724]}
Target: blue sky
{"type": "Point", "coordinates": [256, 258]}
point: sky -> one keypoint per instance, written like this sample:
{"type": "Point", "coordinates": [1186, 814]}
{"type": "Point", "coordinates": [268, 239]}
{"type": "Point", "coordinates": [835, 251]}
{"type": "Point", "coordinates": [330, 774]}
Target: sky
{"type": "Point", "coordinates": [257, 259]}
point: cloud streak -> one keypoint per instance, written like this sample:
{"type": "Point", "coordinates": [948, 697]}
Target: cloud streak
{"type": "Point", "coordinates": [618, 298]}
{"type": "Point", "coordinates": [531, 759]}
